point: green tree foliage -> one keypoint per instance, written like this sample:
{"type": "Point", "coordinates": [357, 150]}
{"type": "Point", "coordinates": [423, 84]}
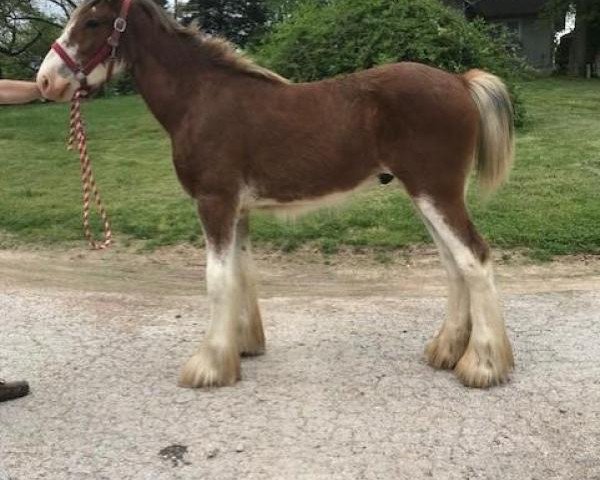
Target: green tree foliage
{"type": "Point", "coordinates": [320, 40]}
{"type": "Point", "coordinates": [237, 20]}
{"type": "Point", "coordinates": [349, 35]}
{"type": "Point", "coordinates": [281, 9]}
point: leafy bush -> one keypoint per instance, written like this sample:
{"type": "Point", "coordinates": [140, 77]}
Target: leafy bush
{"type": "Point", "coordinates": [322, 40]}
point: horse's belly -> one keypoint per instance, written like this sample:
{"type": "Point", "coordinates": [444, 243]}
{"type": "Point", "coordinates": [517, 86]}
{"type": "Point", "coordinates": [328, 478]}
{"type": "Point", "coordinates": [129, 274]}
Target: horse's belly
{"type": "Point", "coordinates": [299, 207]}
{"type": "Point", "coordinates": [306, 204]}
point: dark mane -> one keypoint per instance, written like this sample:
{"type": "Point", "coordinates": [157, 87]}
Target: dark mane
{"type": "Point", "coordinates": [215, 49]}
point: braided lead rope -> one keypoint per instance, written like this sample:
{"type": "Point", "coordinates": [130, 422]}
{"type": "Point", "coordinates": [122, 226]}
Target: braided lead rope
{"type": "Point", "coordinates": [71, 138]}
{"type": "Point", "coordinates": [77, 133]}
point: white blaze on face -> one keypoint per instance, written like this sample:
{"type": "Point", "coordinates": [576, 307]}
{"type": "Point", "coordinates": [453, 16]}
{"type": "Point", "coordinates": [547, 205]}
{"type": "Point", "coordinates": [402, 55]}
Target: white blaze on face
{"type": "Point", "coordinates": [56, 80]}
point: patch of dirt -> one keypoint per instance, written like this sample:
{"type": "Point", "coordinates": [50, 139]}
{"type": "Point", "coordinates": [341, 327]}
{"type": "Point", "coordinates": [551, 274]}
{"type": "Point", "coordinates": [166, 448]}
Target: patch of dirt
{"type": "Point", "coordinates": [177, 271]}
{"type": "Point", "coordinates": [174, 454]}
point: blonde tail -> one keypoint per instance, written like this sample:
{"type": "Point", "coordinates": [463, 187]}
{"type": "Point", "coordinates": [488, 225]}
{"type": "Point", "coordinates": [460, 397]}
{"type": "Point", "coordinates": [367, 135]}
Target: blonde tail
{"type": "Point", "coordinates": [495, 153]}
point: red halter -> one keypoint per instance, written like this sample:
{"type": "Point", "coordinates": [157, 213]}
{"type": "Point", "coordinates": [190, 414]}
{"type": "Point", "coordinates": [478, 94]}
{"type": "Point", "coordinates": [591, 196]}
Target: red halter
{"type": "Point", "coordinates": [107, 52]}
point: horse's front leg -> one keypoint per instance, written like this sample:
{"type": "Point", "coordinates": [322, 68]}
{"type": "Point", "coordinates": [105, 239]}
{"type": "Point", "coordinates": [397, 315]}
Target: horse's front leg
{"type": "Point", "coordinates": [251, 337]}
{"type": "Point", "coordinates": [217, 362]}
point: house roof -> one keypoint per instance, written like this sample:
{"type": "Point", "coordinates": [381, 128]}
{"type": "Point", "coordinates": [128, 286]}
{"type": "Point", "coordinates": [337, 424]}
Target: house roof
{"type": "Point", "coordinates": [507, 8]}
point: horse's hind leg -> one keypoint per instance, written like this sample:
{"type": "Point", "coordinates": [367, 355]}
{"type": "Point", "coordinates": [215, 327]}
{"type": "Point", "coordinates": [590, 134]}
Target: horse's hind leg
{"type": "Point", "coordinates": [488, 357]}
{"type": "Point", "coordinates": [446, 348]}
{"type": "Point", "coordinates": [251, 337]}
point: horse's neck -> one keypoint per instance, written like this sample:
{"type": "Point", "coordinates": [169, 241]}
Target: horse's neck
{"type": "Point", "coordinates": [163, 66]}
{"type": "Point", "coordinates": [155, 83]}
{"type": "Point", "coordinates": [160, 91]}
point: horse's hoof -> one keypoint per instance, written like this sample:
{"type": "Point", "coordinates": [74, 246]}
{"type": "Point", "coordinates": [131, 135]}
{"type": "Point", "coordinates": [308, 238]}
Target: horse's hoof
{"type": "Point", "coordinates": [253, 352]}
{"type": "Point", "coordinates": [444, 351]}
{"type": "Point", "coordinates": [211, 367]}
{"type": "Point", "coordinates": [485, 367]}
{"type": "Point", "coordinates": [252, 345]}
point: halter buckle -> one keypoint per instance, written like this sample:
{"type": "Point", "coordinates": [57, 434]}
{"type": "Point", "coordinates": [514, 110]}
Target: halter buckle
{"type": "Point", "coordinates": [120, 24]}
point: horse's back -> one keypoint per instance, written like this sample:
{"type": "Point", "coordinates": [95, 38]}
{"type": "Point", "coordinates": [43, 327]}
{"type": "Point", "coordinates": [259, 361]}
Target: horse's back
{"type": "Point", "coordinates": [400, 99]}
{"type": "Point", "coordinates": [419, 92]}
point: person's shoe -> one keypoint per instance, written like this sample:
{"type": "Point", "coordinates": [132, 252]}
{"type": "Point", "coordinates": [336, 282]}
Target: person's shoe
{"type": "Point", "coordinates": [11, 390]}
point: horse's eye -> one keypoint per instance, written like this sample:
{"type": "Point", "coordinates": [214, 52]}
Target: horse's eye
{"type": "Point", "coordinates": [92, 23]}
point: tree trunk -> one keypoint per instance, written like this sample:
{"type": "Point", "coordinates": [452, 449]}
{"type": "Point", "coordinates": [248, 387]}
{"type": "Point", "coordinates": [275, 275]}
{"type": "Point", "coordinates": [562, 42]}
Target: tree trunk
{"type": "Point", "coordinates": [580, 52]}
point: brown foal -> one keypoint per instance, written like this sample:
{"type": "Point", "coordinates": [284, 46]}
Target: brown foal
{"type": "Point", "coordinates": [244, 138]}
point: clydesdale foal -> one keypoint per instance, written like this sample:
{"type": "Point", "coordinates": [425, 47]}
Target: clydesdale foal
{"type": "Point", "coordinates": [244, 138]}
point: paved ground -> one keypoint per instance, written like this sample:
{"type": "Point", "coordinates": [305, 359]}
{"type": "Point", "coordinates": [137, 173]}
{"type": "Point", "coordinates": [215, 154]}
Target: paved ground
{"type": "Point", "coordinates": [343, 392]}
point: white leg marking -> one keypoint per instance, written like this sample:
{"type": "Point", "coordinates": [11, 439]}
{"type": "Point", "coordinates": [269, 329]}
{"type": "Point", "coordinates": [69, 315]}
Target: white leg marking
{"type": "Point", "coordinates": [450, 343]}
{"type": "Point", "coordinates": [488, 358]}
{"type": "Point", "coordinates": [224, 292]}
{"type": "Point", "coordinates": [218, 362]}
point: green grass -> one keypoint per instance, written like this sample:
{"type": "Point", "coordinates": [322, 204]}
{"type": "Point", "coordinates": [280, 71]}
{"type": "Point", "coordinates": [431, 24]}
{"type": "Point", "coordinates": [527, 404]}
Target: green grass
{"type": "Point", "coordinates": [551, 205]}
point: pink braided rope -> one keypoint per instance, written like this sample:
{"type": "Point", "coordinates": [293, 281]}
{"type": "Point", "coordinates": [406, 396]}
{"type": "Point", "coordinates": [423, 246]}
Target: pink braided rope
{"type": "Point", "coordinates": [77, 133]}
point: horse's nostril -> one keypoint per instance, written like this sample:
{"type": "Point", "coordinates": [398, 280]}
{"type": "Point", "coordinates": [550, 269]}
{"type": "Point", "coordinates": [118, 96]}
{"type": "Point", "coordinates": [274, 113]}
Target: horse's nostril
{"type": "Point", "coordinates": [45, 83]}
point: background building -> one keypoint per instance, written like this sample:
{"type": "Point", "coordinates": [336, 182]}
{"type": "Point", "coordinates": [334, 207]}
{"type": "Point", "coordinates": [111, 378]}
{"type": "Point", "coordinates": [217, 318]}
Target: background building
{"type": "Point", "coordinates": [523, 17]}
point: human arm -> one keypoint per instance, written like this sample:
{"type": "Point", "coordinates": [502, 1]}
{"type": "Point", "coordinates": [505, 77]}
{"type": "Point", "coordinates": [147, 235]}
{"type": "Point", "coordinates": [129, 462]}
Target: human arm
{"type": "Point", "coordinates": [15, 91]}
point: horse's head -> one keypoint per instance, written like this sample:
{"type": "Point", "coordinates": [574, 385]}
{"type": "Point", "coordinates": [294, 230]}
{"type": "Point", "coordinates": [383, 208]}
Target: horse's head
{"type": "Point", "coordinates": [86, 52]}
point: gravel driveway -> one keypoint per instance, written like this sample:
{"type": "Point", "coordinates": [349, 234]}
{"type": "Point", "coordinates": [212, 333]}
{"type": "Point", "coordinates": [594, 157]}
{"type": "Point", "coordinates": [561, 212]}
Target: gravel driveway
{"type": "Point", "coordinates": [342, 393]}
